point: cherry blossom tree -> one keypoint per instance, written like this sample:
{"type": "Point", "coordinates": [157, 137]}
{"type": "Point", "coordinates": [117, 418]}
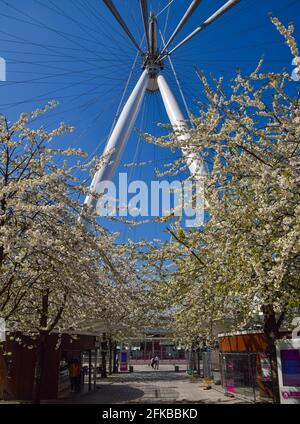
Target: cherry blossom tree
{"type": "Point", "coordinates": [54, 273]}
{"type": "Point", "coordinates": [245, 261]}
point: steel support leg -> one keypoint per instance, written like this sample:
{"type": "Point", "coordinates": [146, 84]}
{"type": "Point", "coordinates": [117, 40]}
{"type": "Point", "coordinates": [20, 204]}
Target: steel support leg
{"type": "Point", "coordinates": [178, 123]}
{"type": "Point", "coordinates": [119, 137]}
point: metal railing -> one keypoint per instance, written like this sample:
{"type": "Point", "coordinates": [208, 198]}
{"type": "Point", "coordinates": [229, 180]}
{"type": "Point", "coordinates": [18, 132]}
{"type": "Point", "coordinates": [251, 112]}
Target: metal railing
{"type": "Point", "coordinates": [242, 374]}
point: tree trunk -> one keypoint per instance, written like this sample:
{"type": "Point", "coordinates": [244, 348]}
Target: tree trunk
{"type": "Point", "coordinates": [115, 367]}
{"type": "Point", "coordinates": [271, 331]}
{"type": "Point", "coordinates": [110, 357]}
{"type": "Point", "coordinates": [3, 372]}
{"type": "Point", "coordinates": [40, 352]}
{"type": "Point", "coordinates": [39, 369]}
{"type": "Point", "coordinates": [198, 361]}
{"type": "Point", "coordinates": [103, 356]}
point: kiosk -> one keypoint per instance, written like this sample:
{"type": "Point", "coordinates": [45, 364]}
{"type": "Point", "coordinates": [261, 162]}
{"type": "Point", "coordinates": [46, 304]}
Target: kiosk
{"type": "Point", "coordinates": [124, 361]}
{"type": "Point", "coordinates": [288, 362]}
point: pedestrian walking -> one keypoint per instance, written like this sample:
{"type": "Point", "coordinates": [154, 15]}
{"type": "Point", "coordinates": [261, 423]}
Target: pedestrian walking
{"type": "Point", "coordinates": [156, 362]}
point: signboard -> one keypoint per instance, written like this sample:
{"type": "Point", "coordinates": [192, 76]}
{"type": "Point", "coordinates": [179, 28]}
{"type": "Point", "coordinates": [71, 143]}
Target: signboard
{"type": "Point", "coordinates": [229, 381]}
{"type": "Point", "coordinates": [64, 385]}
{"type": "Point", "coordinates": [124, 361]}
{"type": "Point", "coordinates": [266, 369]}
{"type": "Point", "coordinates": [230, 386]}
{"type": "Point", "coordinates": [288, 360]}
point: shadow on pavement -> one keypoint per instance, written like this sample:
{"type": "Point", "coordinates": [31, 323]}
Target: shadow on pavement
{"type": "Point", "coordinates": [105, 394]}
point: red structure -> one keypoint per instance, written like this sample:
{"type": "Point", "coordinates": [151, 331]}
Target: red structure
{"type": "Point", "coordinates": [245, 363]}
{"type": "Point", "coordinates": [17, 366]}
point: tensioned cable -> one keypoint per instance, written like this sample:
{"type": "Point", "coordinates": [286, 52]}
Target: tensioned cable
{"type": "Point", "coordinates": [186, 59]}
{"type": "Point", "coordinates": [121, 21]}
{"type": "Point", "coordinates": [125, 89]}
{"type": "Point", "coordinates": [237, 49]}
{"type": "Point", "coordinates": [63, 13]}
{"type": "Point", "coordinates": [137, 150]}
{"type": "Point", "coordinates": [225, 19]}
{"type": "Point", "coordinates": [165, 8]}
{"type": "Point", "coordinates": [178, 84]}
{"type": "Point", "coordinates": [122, 98]}
{"type": "Point", "coordinates": [190, 11]}
{"type": "Point", "coordinates": [36, 22]}
{"type": "Point", "coordinates": [55, 91]}
{"type": "Point", "coordinates": [226, 7]}
{"type": "Point", "coordinates": [137, 157]}
{"type": "Point", "coordinates": [83, 71]}
{"type": "Point", "coordinates": [65, 97]}
{"type": "Point", "coordinates": [39, 79]}
{"type": "Point", "coordinates": [109, 33]}
{"type": "Point", "coordinates": [145, 17]}
{"type": "Point", "coordinates": [136, 23]}
{"type": "Point", "coordinates": [50, 93]}
{"type": "Point", "coordinates": [210, 28]}
{"type": "Point", "coordinates": [166, 21]}
{"type": "Point", "coordinates": [292, 3]}
{"type": "Point", "coordinates": [43, 26]}
{"type": "Point", "coordinates": [47, 47]}
{"type": "Point", "coordinates": [170, 2]}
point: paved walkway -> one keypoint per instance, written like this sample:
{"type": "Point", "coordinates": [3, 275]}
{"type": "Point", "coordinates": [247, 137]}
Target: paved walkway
{"type": "Point", "coordinates": [145, 386]}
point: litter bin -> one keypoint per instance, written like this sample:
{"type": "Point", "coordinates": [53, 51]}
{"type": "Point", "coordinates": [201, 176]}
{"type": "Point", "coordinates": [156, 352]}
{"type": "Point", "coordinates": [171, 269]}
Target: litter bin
{"type": "Point", "coordinates": [176, 368]}
{"type": "Point", "coordinates": [130, 368]}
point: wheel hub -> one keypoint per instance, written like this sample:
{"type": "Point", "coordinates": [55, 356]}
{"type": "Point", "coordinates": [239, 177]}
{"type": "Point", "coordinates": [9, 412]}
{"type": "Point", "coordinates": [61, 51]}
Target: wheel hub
{"type": "Point", "coordinates": [151, 60]}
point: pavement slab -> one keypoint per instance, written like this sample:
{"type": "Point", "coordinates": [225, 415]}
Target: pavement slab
{"type": "Point", "coordinates": [146, 386]}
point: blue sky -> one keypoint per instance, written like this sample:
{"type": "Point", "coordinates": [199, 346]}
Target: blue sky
{"type": "Point", "coordinates": [74, 51]}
